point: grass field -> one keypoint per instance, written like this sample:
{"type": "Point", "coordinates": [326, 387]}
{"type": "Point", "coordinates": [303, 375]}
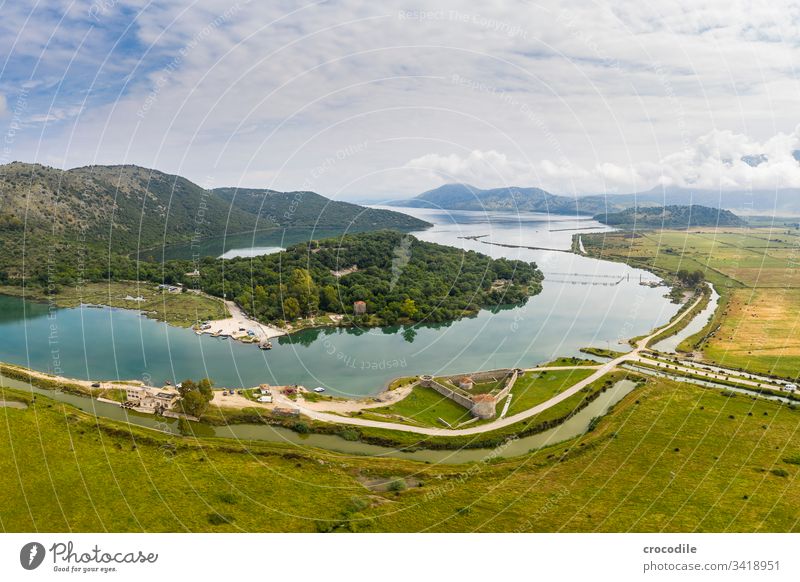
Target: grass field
{"type": "Point", "coordinates": [424, 406]}
{"type": "Point", "coordinates": [754, 269]}
{"type": "Point", "coordinates": [182, 309]}
{"type": "Point", "coordinates": [540, 422]}
{"type": "Point", "coordinates": [670, 457]}
{"type": "Point", "coordinates": [760, 331]}
{"type": "Point", "coordinates": [682, 459]}
{"type": "Point", "coordinates": [533, 388]}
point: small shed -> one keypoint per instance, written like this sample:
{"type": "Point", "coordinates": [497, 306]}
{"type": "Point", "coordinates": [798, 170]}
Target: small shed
{"type": "Point", "coordinates": [466, 383]}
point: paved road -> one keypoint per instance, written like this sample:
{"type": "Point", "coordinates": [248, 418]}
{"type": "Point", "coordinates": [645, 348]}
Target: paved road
{"type": "Point", "coordinates": [601, 371]}
{"type": "Point", "coordinates": [711, 376]}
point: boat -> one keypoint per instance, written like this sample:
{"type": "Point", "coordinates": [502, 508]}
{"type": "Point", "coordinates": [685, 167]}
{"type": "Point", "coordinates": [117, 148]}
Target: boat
{"type": "Point", "coordinates": [267, 345]}
{"type": "Point", "coordinates": [319, 389]}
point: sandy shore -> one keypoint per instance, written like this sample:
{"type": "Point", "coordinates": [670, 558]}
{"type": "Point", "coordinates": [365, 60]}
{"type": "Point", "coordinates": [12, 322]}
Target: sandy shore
{"type": "Point", "coordinates": [343, 406]}
{"type": "Point", "coordinates": [104, 385]}
{"type": "Point", "coordinates": [336, 406]}
{"type": "Point", "coordinates": [238, 324]}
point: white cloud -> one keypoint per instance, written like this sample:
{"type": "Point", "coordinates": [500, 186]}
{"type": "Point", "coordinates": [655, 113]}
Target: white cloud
{"type": "Point", "coordinates": [713, 161]}
{"type": "Point", "coordinates": [571, 95]}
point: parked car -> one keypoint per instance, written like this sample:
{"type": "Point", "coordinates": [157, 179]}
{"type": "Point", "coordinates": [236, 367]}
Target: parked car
{"type": "Point", "coordinates": [96, 385]}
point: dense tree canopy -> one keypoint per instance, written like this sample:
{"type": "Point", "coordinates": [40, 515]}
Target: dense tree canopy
{"type": "Point", "coordinates": [690, 278]}
{"type": "Point", "coordinates": [195, 396]}
{"type": "Point", "coordinates": [399, 278]}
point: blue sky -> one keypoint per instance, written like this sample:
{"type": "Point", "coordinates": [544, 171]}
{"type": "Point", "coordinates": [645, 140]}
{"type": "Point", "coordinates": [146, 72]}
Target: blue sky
{"type": "Point", "coordinates": [383, 101]}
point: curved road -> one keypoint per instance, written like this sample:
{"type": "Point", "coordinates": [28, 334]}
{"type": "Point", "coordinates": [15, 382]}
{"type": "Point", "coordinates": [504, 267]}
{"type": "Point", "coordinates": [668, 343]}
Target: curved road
{"type": "Point", "coordinates": [602, 370]}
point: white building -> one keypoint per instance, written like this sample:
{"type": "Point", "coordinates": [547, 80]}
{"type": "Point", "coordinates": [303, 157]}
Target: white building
{"type": "Point", "coordinates": [149, 398]}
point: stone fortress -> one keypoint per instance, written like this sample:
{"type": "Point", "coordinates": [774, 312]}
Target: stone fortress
{"type": "Point", "coordinates": [478, 392]}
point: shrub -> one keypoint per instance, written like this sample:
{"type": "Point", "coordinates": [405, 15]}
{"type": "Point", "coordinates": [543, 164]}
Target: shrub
{"type": "Point", "coordinates": [220, 518]}
{"type": "Point", "coordinates": [780, 472]}
{"type": "Point", "coordinates": [397, 485]}
{"type": "Point", "coordinates": [356, 504]}
{"type": "Point", "coordinates": [350, 434]}
{"type": "Point", "coordinates": [792, 459]}
{"type": "Point", "coordinates": [184, 427]}
{"type": "Point", "coordinates": [229, 498]}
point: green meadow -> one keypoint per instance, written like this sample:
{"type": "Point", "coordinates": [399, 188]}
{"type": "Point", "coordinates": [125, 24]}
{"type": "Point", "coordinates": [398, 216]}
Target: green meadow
{"type": "Point", "coordinates": [669, 457]}
{"type": "Point", "coordinates": [754, 269]}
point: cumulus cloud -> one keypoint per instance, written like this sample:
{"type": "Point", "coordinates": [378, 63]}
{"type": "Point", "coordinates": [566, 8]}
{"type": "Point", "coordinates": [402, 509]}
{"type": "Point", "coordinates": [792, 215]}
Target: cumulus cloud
{"type": "Point", "coordinates": [570, 95]}
{"type": "Point", "coordinates": [721, 160]}
{"type": "Point", "coordinates": [727, 160]}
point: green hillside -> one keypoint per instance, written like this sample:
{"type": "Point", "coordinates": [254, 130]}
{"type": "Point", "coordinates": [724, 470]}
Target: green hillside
{"type": "Point", "coordinates": [671, 217]}
{"type": "Point", "coordinates": [59, 226]}
{"type": "Point", "coordinates": [466, 197]}
{"type": "Point", "coordinates": [292, 209]}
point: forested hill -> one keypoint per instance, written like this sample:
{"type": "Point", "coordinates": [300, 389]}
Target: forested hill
{"type": "Point", "coordinates": [512, 198]}
{"type": "Point", "coordinates": [670, 217]}
{"type": "Point", "coordinates": [132, 207]}
{"type": "Point", "coordinates": [311, 209]}
{"type": "Point", "coordinates": [400, 278]}
{"type": "Point", "coordinates": [126, 207]}
{"type": "Point", "coordinates": [80, 223]}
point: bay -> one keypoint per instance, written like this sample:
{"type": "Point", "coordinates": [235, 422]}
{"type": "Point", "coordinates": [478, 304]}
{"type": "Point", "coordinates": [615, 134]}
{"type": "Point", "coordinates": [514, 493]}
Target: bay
{"type": "Point", "coordinates": [585, 302]}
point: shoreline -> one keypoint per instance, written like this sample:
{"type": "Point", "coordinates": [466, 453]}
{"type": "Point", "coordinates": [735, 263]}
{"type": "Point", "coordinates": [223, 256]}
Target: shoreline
{"type": "Point", "coordinates": [337, 410]}
{"type": "Point", "coordinates": [309, 410]}
{"type": "Point", "coordinates": [240, 327]}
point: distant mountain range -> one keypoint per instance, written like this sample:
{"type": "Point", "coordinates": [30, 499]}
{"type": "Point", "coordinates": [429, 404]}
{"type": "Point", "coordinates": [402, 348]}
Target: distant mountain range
{"type": "Point", "coordinates": [784, 201]}
{"type": "Point", "coordinates": [466, 197]}
{"type": "Point", "coordinates": [670, 217]}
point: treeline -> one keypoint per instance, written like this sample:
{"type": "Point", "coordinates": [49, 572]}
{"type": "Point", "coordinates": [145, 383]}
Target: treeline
{"type": "Point", "coordinates": [59, 227]}
{"type": "Point", "coordinates": [678, 217]}
{"type": "Point", "coordinates": [400, 279]}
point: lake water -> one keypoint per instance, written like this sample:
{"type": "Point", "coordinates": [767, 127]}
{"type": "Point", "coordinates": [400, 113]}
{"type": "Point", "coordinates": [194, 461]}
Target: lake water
{"type": "Point", "coordinates": [585, 302]}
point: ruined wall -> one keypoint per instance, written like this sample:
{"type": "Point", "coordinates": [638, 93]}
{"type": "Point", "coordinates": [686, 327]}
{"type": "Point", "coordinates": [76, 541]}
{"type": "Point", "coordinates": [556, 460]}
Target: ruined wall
{"type": "Point", "coordinates": [446, 392]}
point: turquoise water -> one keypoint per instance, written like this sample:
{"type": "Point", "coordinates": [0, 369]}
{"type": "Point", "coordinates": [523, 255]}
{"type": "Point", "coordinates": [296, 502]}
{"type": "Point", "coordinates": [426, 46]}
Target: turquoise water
{"type": "Point", "coordinates": [571, 312]}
